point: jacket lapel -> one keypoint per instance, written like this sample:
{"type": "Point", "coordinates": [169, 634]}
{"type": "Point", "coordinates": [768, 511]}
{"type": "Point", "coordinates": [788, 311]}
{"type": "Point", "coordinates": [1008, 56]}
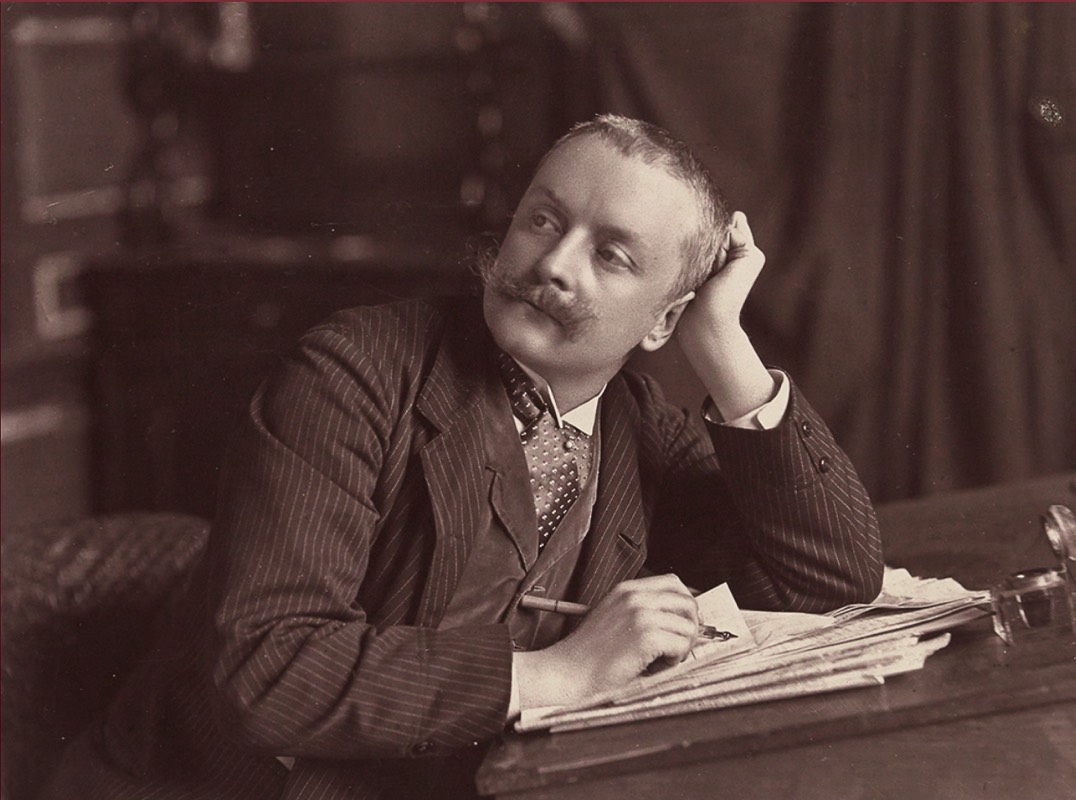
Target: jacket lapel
{"type": "Point", "coordinates": [453, 399]}
{"type": "Point", "coordinates": [616, 544]}
{"type": "Point", "coordinates": [511, 496]}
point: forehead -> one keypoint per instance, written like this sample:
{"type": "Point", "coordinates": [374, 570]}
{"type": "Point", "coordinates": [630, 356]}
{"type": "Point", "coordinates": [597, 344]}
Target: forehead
{"type": "Point", "coordinates": [600, 186]}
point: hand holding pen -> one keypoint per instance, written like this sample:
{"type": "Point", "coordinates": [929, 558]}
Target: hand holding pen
{"type": "Point", "coordinates": [639, 626]}
{"type": "Point", "coordinates": [571, 609]}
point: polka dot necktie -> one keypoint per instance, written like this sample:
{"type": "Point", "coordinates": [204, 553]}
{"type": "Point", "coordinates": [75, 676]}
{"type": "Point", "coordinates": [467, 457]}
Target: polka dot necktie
{"type": "Point", "coordinates": [558, 458]}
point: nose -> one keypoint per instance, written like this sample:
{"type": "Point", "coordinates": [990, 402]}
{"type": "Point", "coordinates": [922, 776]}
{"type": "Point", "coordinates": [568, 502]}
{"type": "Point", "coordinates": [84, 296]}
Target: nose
{"type": "Point", "coordinates": [558, 265]}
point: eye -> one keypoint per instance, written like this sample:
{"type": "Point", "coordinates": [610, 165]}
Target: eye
{"type": "Point", "coordinates": [542, 221]}
{"type": "Point", "coordinates": [612, 257]}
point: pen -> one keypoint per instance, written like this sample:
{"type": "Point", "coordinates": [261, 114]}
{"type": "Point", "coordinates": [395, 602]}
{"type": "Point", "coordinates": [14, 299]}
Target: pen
{"type": "Point", "coordinates": [571, 609]}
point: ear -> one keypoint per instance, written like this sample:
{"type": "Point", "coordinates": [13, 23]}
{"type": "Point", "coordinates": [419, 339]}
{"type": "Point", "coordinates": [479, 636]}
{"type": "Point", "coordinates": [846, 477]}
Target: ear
{"type": "Point", "coordinates": [666, 324]}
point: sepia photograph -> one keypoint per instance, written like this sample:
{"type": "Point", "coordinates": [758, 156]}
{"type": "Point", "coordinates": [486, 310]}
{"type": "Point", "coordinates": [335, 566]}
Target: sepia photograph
{"type": "Point", "coordinates": [538, 401]}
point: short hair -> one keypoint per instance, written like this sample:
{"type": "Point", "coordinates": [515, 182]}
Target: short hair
{"type": "Point", "coordinates": [652, 144]}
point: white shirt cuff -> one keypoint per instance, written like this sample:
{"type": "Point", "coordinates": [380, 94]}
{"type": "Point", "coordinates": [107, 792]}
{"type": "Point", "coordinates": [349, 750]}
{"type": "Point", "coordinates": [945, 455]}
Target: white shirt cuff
{"type": "Point", "coordinates": [764, 418]}
{"type": "Point", "coordinates": [513, 703]}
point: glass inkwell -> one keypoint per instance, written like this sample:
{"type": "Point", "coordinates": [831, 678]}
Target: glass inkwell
{"type": "Point", "coordinates": [1036, 604]}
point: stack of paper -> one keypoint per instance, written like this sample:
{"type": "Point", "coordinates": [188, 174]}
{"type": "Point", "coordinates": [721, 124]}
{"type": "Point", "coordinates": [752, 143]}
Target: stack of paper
{"type": "Point", "coordinates": [780, 655]}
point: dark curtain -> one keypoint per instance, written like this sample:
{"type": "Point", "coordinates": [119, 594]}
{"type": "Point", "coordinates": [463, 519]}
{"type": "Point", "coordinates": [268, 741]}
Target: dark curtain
{"type": "Point", "coordinates": [908, 169]}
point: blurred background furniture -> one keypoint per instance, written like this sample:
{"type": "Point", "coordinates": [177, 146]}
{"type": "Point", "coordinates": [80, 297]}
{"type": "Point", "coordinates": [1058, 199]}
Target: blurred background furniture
{"type": "Point", "coordinates": [81, 601]}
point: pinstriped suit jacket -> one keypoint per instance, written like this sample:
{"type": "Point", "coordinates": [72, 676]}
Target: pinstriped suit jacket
{"type": "Point", "coordinates": [349, 505]}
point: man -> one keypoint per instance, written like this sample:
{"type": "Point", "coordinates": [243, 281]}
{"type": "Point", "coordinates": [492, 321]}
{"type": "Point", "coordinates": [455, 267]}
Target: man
{"type": "Point", "coordinates": [413, 471]}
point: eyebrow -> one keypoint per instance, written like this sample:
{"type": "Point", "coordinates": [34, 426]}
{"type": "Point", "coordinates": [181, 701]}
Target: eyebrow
{"type": "Point", "coordinates": [625, 235]}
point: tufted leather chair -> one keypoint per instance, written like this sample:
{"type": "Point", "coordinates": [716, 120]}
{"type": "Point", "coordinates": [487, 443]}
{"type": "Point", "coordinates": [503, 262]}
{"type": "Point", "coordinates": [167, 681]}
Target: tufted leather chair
{"type": "Point", "coordinates": [81, 601]}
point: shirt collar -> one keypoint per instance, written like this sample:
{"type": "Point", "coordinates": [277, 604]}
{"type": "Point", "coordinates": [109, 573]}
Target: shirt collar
{"type": "Point", "coordinates": [582, 417]}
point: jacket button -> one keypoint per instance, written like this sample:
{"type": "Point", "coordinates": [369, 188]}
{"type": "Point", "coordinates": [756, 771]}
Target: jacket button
{"type": "Point", "coordinates": [422, 748]}
{"type": "Point", "coordinates": [823, 464]}
{"type": "Point", "coordinates": [806, 427]}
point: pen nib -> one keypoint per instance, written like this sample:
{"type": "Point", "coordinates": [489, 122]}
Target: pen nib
{"type": "Point", "coordinates": [710, 632]}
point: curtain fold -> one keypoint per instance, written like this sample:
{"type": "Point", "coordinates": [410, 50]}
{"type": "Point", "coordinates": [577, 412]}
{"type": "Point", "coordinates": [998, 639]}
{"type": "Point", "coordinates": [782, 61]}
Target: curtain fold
{"type": "Point", "coordinates": [908, 170]}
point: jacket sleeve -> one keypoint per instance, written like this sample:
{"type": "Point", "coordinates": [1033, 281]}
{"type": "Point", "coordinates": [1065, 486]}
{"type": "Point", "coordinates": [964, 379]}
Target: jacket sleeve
{"type": "Point", "coordinates": [780, 514]}
{"type": "Point", "coordinates": [298, 667]}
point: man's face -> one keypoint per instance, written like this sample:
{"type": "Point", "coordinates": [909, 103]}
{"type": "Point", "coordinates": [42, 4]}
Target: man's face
{"type": "Point", "coordinates": [586, 269]}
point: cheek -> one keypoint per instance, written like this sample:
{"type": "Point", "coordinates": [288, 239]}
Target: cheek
{"type": "Point", "coordinates": [637, 314]}
{"type": "Point", "coordinates": [627, 299]}
{"type": "Point", "coordinates": [511, 258]}
{"type": "Point", "coordinates": [516, 240]}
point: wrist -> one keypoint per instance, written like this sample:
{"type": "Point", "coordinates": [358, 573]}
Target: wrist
{"type": "Point", "coordinates": [729, 367]}
{"type": "Point", "coordinates": [546, 677]}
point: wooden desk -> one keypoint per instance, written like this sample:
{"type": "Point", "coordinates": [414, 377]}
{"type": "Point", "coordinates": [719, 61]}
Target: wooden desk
{"type": "Point", "coordinates": [980, 721]}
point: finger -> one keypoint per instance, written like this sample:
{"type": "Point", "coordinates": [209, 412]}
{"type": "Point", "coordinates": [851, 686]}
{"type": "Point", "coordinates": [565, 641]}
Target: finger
{"type": "Point", "coordinates": [667, 644]}
{"type": "Point", "coordinates": [741, 226]}
{"type": "Point", "coordinates": [723, 251]}
{"type": "Point", "coordinates": [740, 243]}
{"type": "Point", "coordinates": [669, 580]}
{"type": "Point", "coordinates": [684, 627]}
{"type": "Point", "coordinates": [670, 611]}
{"type": "Point", "coordinates": [641, 597]}
{"type": "Point", "coordinates": [741, 237]}
{"type": "Point", "coordinates": [745, 259]}
{"type": "Point", "coordinates": [683, 599]}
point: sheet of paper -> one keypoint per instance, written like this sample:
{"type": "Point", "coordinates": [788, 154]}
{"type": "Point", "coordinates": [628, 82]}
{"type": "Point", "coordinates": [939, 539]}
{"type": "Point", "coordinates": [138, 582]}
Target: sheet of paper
{"type": "Point", "coordinates": [771, 627]}
{"type": "Point", "coordinates": [718, 608]}
{"type": "Point", "coordinates": [827, 683]}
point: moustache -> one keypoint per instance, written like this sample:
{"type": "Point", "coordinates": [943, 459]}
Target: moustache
{"type": "Point", "coordinates": [570, 313]}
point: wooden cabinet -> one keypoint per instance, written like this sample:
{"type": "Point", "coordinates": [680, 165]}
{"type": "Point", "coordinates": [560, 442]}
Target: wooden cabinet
{"type": "Point", "coordinates": [182, 340]}
{"type": "Point", "coordinates": [67, 134]}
